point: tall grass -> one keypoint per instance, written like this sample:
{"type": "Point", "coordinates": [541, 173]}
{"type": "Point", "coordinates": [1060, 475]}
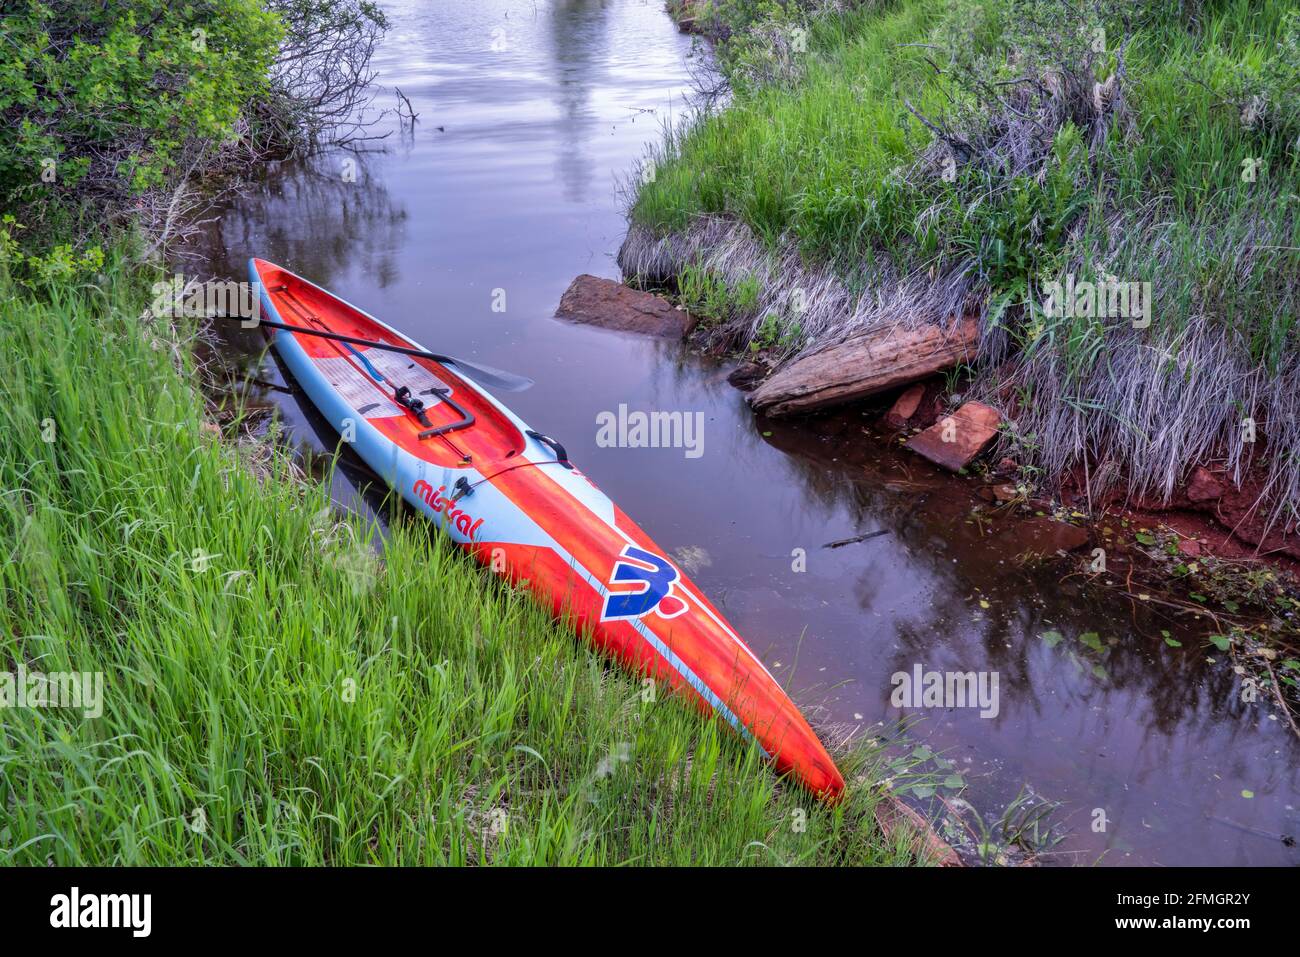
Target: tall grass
{"type": "Point", "coordinates": [276, 693]}
{"type": "Point", "coordinates": [836, 185]}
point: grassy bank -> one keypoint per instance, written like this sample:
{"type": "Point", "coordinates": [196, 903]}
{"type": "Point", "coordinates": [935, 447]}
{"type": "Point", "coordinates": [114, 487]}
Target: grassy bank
{"type": "Point", "coordinates": [918, 159]}
{"type": "Point", "coordinates": [274, 692]}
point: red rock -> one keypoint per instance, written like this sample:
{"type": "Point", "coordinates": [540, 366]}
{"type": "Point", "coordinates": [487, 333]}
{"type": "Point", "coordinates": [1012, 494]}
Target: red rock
{"type": "Point", "coordinates": [1042, 536]}
{"type": "Point", "coordinates": [1006, 492]}
{"type": "Point", "coordinates": [905, 407]}
{"type": "Point", "coordinates": [1203, 486]}
{"type": "Point", "coordinates": [612, 305]}
{"type": "Point", "coordinates": [747, 375]}
{"type": "Point", "coordinates": [955, 440]}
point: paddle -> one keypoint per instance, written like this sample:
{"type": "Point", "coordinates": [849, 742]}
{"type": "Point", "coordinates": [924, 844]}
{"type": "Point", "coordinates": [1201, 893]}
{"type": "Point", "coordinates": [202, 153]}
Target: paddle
{"type": "Point", "coordinates": [497, 378]}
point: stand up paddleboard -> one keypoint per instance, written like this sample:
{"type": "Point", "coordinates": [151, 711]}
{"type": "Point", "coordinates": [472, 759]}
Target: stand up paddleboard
{"type": "Point", "coordinates": [511, 497]}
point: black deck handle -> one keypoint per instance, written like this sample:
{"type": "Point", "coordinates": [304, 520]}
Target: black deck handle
{"type": "Point", "coordinates": [561, 456]}
{"type": "Point", "coordinates": [466, 416]}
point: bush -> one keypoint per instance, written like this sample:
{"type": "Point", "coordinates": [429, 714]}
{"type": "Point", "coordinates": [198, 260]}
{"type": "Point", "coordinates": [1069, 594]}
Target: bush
{"type": "Point", "coordinates": [101, 102]}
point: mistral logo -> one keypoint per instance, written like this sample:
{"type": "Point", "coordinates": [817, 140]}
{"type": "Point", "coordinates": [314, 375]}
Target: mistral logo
{"type": "Point", "coordinates": [75, 910]}
{"type": "Point", "coordinates": [654, 578]}
{"type": "Point", "coordinates": [58, 689]}
{"type": "Point", "coordinates": [456, 517]}
{"type": "Point", "coordinates": [651, 430]}
{"type": "Point", "coordinates": [946, 689]}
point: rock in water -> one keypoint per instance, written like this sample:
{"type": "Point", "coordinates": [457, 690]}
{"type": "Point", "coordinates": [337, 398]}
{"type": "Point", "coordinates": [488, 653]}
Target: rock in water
{"type": "Point", "coordinates": [878, 360]}
{"type": "Point", "coordinates": [957, 438]}
{"type": "Point", "coordinates": [612, 305]}
{"type": "Point", "coordinates": [1042, 536]}
{"type": "Point", "coordinates": [747, 375]}
{"type": "Point", "coordinates": [905, 407]}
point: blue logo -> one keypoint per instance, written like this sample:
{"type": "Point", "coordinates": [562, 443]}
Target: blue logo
{"type": "Point", "coordinates": [655, 576]}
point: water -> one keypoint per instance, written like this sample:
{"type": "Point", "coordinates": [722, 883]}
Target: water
{"type": "Point", "coordinates": [543, 110]}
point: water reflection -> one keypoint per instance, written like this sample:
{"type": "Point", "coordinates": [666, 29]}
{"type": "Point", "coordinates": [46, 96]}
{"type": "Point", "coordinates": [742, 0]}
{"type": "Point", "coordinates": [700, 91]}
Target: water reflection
{"type": "Point", "coordinates": [577, 35]}
{"type": "Point", "coordinates": [1159, 738]}
{"type": "Point", "coordinates": [324, 217]}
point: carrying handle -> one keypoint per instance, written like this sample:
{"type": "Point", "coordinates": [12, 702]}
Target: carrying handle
{"type": "Point", "coordinates": [561, 456]}
{"type": "Point", "coordinates": [466, 416]}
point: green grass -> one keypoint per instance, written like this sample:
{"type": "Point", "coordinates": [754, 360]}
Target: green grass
{"type": "Point", "coordinates": [802, 162]}
{"type": "Point", "coordinates": [811, 162]}
{"type": "Point", "coordinates": [275, 694]}
{"type": "Point", "coordinates": [830, 164]}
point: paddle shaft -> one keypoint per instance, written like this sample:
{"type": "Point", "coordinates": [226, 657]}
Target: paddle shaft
{"type": "Point", "coordinates": [485, 374]}
{"type": "Point", "coordinates": [352, 339]}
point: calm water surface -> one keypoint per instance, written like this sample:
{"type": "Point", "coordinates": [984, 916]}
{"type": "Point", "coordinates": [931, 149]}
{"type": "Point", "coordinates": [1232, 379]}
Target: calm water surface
{"type": "Point", "coordinates": [530, 118]}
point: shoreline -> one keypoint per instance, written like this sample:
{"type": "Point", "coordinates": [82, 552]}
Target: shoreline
{"type": "Point", "coordinates": [777, 309]}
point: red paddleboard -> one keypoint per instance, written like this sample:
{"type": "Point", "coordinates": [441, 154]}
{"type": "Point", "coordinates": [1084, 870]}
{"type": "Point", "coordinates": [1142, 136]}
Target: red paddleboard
{"type": "Point", "coordinates": [510, 497]}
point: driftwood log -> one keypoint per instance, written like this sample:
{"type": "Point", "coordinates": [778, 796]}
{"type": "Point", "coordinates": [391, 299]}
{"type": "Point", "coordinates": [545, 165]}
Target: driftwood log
{"type": "Point", "coordinates": [875, 361]}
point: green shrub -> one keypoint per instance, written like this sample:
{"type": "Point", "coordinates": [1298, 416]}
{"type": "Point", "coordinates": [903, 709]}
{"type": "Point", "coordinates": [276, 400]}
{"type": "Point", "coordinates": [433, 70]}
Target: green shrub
{"type": "Point", "coordinates": [111, 93]}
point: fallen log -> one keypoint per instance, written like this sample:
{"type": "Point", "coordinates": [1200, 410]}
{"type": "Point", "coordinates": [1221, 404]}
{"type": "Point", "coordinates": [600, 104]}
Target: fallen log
{"type": "Point", "coordinates": [896, 818]}
{"type": "Point", "coordinates": [875, 361]}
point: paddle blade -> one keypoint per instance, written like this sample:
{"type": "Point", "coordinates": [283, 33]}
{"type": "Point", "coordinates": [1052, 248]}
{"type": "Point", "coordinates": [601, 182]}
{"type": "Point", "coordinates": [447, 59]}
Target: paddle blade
{"type": "Point", "coordinates": [488, 376]}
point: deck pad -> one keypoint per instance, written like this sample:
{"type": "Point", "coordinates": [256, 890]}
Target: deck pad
{"type": "Point", "coordinates": [403, 370]}
{"type": "Point", "coordinates": [357, 389]}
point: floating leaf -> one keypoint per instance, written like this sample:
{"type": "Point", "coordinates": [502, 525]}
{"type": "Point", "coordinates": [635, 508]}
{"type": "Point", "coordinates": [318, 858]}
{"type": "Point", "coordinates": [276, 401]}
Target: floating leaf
{"type": "Point", "coordinates": [1053, 638]}
{"type": "Point", "coordinates": [954, 781]}
{"type": "Point", "coordinates": [923, 790]}
{"type": "Point", "coordinates": [1092, 640]}
{"type": "Point", "coordinates": [1100, 672]}
{"type": "Point", "coordinates": [1172, 642]}
{"type": "Point", "coordinates": [1247, 794]}
{"type": "Point", "coordinates": [1292, 664]}
{"type": "Point", "coordinates": [1220, 641]}
{"type": "Point", "coordinates": [923, 753]}
{"type": "Point", "coordinates": [1145, 538]}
